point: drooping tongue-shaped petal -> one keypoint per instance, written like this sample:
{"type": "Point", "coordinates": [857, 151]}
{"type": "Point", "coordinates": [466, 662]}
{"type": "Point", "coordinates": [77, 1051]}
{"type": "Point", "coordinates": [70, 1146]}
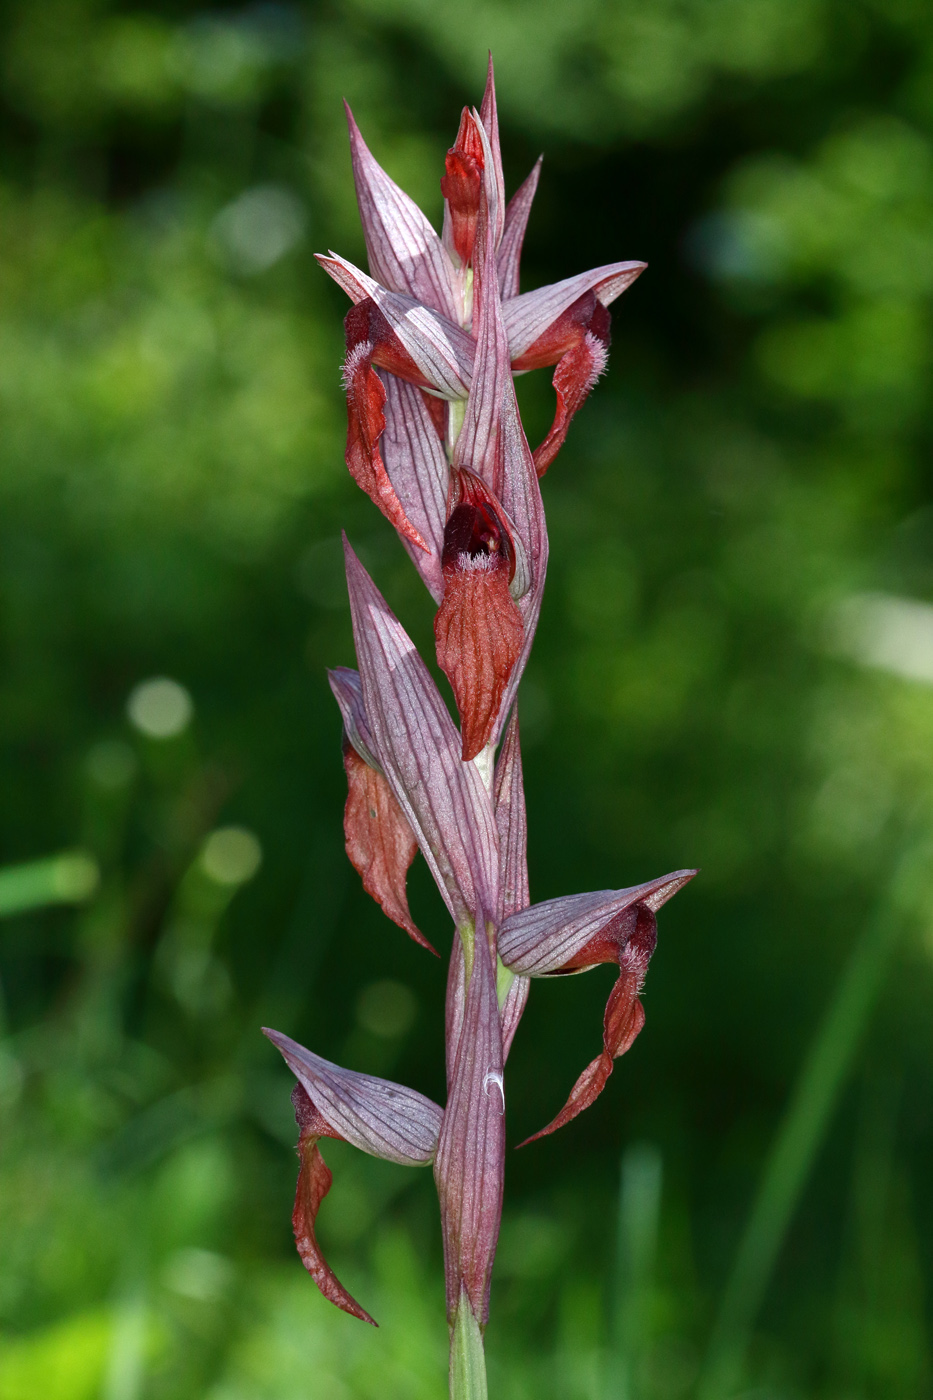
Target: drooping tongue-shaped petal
{"type": "Point", "coordinates": [579, 342]}
{"type": "Point", "coordinates": [418, 747]}
{"type": "Point", "coordinates": [576, 373]}
{"type": "Point", "coordinates": [405, 254]}
{"type": "Point", "coordinates": [566, 324]}
{"type": "Point", "coordinates": [478, 628]}
{"type": "Point", "coordinates": [577, 932]}
{"type": "Point", "coordinates": [635, 933]}
{"type": "Point", "coordinates": [384, 1119]}
{"type": "Point", "coordinates": [380, 843]}
{"type": "Point", "coordinates": [314, 1182]}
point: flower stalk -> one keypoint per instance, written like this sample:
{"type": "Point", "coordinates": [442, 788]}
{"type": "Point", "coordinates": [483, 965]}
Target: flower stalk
{"type": "Point", "coordinates": [435, 333]}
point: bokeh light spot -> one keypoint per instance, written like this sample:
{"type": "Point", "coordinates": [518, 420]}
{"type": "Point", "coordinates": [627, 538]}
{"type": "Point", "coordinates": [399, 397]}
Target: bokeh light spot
{"type": "Point", "coordinates": [231, 855]}
{"type": "Point", "coordinates": [258, 228]}
{"type": "Point", "coordinates": [160, 708]}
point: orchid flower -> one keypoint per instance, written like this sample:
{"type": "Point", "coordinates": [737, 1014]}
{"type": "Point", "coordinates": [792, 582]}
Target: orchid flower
{"type": "Point", "coordinates": [436, 333]}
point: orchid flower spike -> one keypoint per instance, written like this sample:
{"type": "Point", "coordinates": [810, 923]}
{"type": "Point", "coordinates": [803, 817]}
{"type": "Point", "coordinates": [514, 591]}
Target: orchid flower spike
{"type": "Point", "coordinates": [436, 332]}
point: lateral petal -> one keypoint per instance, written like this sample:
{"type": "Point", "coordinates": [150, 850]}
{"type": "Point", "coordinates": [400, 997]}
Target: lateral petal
{"type": "Point", "coordinates": [314, 1182]}
{"type": "Point", "coordinates": [548, 936]}
{"type": "Point", "coordinates": [513, 234]}
{"type": "Point", "coordinates": [380, 843]}
{"type": "Point", "coordinates": [384, 1119]}
{"type": "Point", "coordinates": [444, 799]}
{"type": "Point", "coordinates": [405, 254]}
{"type": "Point", "coordinates": [529, 316]}
{"type": "Point", "coordinates": [622, 1021]}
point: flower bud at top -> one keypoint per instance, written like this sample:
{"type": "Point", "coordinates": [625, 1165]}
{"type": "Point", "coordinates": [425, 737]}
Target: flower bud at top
{"type": "Point", "coordinates": [460, 188]}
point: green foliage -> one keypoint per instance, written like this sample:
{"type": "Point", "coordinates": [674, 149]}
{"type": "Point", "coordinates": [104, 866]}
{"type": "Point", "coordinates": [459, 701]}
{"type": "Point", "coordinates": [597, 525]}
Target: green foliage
{"type": "Point", "coordinates": [733, 671]}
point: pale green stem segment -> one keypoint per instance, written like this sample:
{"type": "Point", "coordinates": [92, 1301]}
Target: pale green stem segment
{"type": "Point", "coordinates": [504, 980]}
{"type": "Point", "coordinates": [69, 878]}
{"type": "Point", "coordinates": [467, 938]}
{"type": "Point", "coordinates": [636, 1246]}
{"type": "Point", "coordinates": [456, 412]}
{"type": "Point", "coordinates": [467, 1358]}
{"type": "Point", "coordinates": [804, 1128]}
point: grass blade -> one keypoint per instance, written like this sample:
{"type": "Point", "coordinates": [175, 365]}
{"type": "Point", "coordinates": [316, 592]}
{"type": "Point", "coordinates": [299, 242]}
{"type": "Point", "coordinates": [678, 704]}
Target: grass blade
{"type": "Point", "coordinates": [802, 1133]}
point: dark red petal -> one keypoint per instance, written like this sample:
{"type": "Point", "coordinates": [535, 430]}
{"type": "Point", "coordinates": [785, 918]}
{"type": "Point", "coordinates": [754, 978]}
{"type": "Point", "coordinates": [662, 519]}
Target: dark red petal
{"type": "Point", "coordinates": [314, 1179]}
{"type": "Point", "coordinates": [624, 1015]}
{"type": "Point", "coordinates": [574, 377]}
{"type": "Point", "coordinates": [380, 843]}
{"type": "Point", "coordinates": [365, 425]}
{"type": "Point", "coordinates": [461, 186]}
{"type": "Point", "coordinates": [366, 324]}
{"type": "Point", "coordinates": [479, 634]}
{"type": "Point", "coordinates": [609, 944]}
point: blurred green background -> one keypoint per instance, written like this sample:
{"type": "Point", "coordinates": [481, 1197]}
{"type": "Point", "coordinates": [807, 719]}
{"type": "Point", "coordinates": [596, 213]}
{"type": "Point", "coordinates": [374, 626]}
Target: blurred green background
{"type": "Point", "coordinates": [733, 671]}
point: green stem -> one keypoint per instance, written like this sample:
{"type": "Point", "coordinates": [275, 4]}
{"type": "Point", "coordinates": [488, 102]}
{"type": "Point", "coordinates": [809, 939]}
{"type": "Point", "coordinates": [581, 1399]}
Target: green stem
{"type": "Point", "coordinates": [467, 1358]}
{"type": "Point", "coordinates": [801, 1135]}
